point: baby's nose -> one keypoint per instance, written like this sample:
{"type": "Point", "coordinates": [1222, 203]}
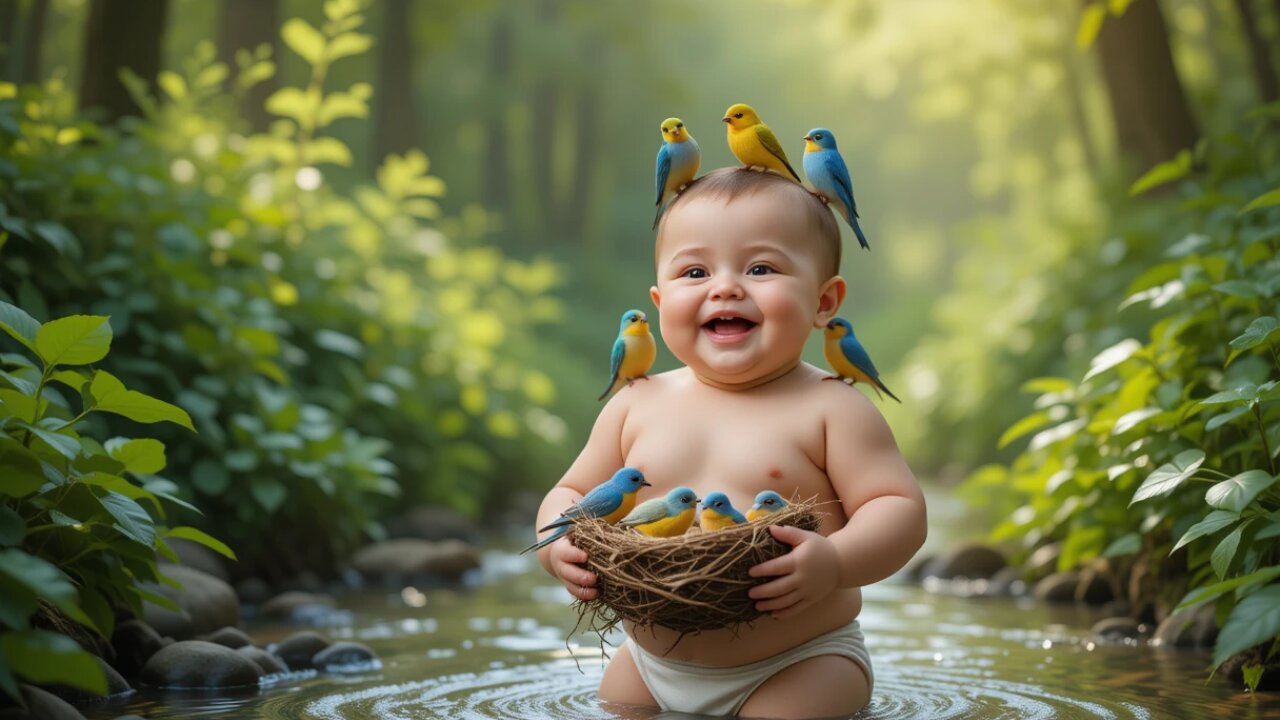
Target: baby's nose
{"type": "Point", "coordinates": [726, 288]}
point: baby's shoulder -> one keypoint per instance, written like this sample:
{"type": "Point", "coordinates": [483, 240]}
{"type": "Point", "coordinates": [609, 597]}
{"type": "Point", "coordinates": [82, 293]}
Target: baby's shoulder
{"type": "Point", "coordinates": [837, 400]}
{"type": "Point", "coordinates": [653, 389]}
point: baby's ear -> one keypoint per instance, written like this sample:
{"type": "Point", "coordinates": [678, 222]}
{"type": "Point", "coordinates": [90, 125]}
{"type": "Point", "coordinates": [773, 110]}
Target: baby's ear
{"type": "Point", "coordinates": [830, 297]}
{"type": "Point", "coordinates": [656, 297]}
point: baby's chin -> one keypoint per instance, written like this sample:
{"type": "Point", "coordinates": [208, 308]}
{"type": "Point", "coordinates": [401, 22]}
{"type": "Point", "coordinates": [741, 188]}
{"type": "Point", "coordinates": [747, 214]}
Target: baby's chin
{"type": "Point", "coordinates": [738, 367]}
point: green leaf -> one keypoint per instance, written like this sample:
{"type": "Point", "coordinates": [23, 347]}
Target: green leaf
{"type": "Point", "coordinates": [20, 326]}
{"type": "Point", "coordinates": [303, 39]}
{"type": "Point", "coordinates": [1211, 592]}
{"type": "Point", "coordinates": [1081, 544]}
{"type": "Point", "coordinates": [1226, 550]}
{"type": "Point", "coordinates": [1131, 420]}
{"type": "Point", "coordinates": [64, 445]}
{"type": "Point", "coordinates": [270, 494]}
{"type": "Point", "coordinates": [1030, 423]}
{"type": "Point", "coordinates": [74, 379]}
{"type": "Point", "coordinates": [1268, 532]}
{"type": "Point", "coordinates": [1236, 493]}
{"type": "Point", "coordinates": [1212, 523]}
{"type": "Point", "coordinates": [1258, 332]}
{"type": "Point", "coordinates": [1162, 173]}
{"type": "Point", "coordinates": [195, 535]}
{"type": "Point", "coordinates": [45, 657]}
{"type": "Point", "coordinates": [17, 603]}
{"type": "Point", "coordinates": [1254, 620]}
{"type": "Point", "coordinates": [349, 44]}
{"type": "Point", "coordinates": [1091, 19]}
{"type": "Point", "coordinates": [1244, 393]}
{"type": "Point", "coordinates": [131, 518]}
{"type": "Point", "coordinates": [74, 340]}
{"type": "Point", "coordinates": [22, 472]}
{"type": "Point", "coordinates": [1126, 545]}
{"type": "Point", "coordinates": [117, 484]}
{"type": "Point", "coordinates": [44, 579]}
{"type": "Point", "coordinates": [12, 527]}
{"type": "Point", "coordinates": [110, 395]}
{"type": "Point", "coordinates": [210, 477]}
{"type": "Point", "coordinates": [1112, 357]}
{"type": "Point", "coordinates": [24, 386]}
{"type": "Point", "coordinates": [1239, 288]}
{"type": "Point", "coordinates": [1266, 199]}
{"type": "Point", "coordinates": [1169, 476]}
{"type": "Point", "coordinates": [142, 456]}
{"type": "Point", "coordinates": [1218, 421]}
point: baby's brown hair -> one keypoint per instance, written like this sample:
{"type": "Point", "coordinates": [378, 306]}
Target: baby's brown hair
{"type": "Point", "coordinates": [731, 183]}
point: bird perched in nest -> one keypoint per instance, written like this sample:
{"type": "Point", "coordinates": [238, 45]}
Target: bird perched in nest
{"type": "Point", "coordinates": [718, 513]}
{"type": "Point", "coordinates": [848, 358]}
{"type": "Point", "coordinates": [767, 503]}
{"type": "Point", "coordinates": [610, 501]}
{"type": "Point", "coordinates": [825, 168]}
{"type": "Point", "coordinates": [665, 516]}
{"type": "Point", "coordinates": [753, 143]}
{"type": "Point", "coordinates": [678, 161]}
{"type": "Point", "coordinates": [633, 352]}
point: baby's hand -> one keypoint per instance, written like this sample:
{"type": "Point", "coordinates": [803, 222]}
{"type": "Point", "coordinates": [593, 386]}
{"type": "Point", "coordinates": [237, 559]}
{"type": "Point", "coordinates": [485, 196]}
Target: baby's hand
{"type": "Point", "coordinates": [564, 557]}
{"type": "Point", "coordinates": [804, 576]}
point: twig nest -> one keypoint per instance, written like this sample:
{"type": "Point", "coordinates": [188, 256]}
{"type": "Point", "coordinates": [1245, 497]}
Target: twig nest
{"type": "Point", "coordinates": [697, 581]}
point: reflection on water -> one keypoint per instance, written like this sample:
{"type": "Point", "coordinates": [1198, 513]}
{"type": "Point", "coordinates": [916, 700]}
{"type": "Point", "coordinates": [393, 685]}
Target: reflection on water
{"type": "Point", "coordinates": [499, 651]}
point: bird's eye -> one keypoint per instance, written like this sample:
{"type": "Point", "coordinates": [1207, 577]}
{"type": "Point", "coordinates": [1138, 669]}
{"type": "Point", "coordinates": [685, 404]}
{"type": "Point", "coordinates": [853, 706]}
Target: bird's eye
{"type": "Point", "coordinates": [695, 273]}
{"type": "Point", "coordinates": [633, 318]}
{"type": "Point", "coordinates": [679, 125]}
{"type": "Point", "coordinates": [738, 115]}
{"type": "Point", "coordinates": [760, 270]}
{"type": "Point", "coordinates": [818, 136]}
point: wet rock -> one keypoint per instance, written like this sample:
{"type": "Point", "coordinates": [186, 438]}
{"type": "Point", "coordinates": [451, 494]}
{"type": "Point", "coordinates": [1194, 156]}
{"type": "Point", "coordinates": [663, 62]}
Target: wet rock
{"type": "Point", "coordinates": [401, 559]}
{"type": "Point", "coordinates": [343, 653]}
{"type": "Point", "coordinates": [1057, 588]}
{"type": "Point", "coordinates": [433, 522]}
{"type": "Point", "coordinates": [297, 606]}
{"type": "Point", "coordinates": [1192, 627]}
{"type": "Point", "coordinates": [195, 555]}
{"type": "Point", "coordinates": [253, 590]}
{"type": "Point", "coordinates": [116, 685]}
{"type": "Point", "coordinates": [200, 664]}
{"type": "Point", "coordinates": [1006, 582]}
{"type": "Point", "coordinates": [1114, 630]}
{"type": "Point", "coordinates": [231, 637]}
{"type": "Point", "coordinates": [915, 571]}
{"type": "Point", "coordinates": [134, 642]}
{"type": "Point", "coordinates": [41, 705]}
{"type": "Point", "coordinates": [268, 663]}
{"type": "Point", "coordinates": [976, 562]}
{"type": "Point", "coordinates": [298, 649]}
{"type": "Point", "coordinates": [1044, 561]}
{"type": "Point", "coordinates": [306, 581]}
{"type": "Point", "coordinates": [206, 603]}
{"type": "Point", "coordinates": [1094, 589]}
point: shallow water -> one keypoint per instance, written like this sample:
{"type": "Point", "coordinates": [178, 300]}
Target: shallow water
{"type": "Point", "coordinates": [498, 650]}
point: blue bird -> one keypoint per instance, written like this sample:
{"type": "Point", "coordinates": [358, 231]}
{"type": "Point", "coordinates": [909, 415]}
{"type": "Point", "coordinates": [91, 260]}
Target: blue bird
{"type": "Point", "coordinates": [767, 503]}
{"type": "Point", "coordinates": [848, 358]}
{"type": "Point", "coordinates": [825, 168]}
{"type": "Point", "coordinates": [677, 164]}
{"type": "Point", "coordinates": [718, 513]}
{"type": "Point", "coordinates": [633, 352]}
{"type": "Point", "coordinates": [610, 501]}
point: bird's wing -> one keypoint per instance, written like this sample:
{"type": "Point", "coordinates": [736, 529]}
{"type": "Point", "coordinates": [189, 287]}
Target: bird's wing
{"type": "Point", "coordinates": [615, 359]}
{"type": "Point", "coordinates": [857, 355]}
{"type": "Point", "coordinates": [844, 186]}
{"type": "Point", "coordinates": [646, 512]}
{"type": "Point", "coordinates": [662, 171]}
{"type": "Point", "coordinates": [774, 147]}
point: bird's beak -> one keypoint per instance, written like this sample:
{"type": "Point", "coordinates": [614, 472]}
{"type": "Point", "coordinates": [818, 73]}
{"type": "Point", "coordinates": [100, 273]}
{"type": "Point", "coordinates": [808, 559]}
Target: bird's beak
{"type": "Point", "coordinates": [645, 483]}
{"type": "Point", "coordinates": [725, 119]}
{"type": "Point", "coordinates": [806, 137]}
{"type": "Point", "coordinates": [831, 324]}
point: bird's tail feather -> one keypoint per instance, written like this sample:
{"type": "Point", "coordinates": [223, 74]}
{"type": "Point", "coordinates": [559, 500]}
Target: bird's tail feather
{"type": "Point", "coordinates": [886, 390]}
{"type": "Point", "coordinates": [857, 230]}
{"type": "Point", "coordinates": [546, 540]}
{"type": "Point", "coordinates": [613, 385]}
{"type": "Point", "coordinates": [658, 215]}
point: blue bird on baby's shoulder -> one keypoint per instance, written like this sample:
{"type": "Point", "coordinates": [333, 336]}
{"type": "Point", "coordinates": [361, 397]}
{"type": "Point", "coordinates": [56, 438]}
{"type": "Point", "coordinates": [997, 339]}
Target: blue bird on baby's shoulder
{"type": "Point", "coordinates": [849, 359]}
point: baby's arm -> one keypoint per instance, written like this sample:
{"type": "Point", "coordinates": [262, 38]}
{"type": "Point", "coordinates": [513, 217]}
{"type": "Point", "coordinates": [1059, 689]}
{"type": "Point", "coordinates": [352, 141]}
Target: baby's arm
{"type": "Point", "coordinates": [879, 495]}
{"type": "Point", "coordinates": [600, 458]}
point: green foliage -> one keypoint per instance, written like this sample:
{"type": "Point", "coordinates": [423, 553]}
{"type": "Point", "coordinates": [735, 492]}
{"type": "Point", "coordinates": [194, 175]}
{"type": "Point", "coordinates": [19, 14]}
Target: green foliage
{"type": "Point", "coordinates": [1169, 442]}
{"type": "Point", "coordinates": [332, 346]}
{"type": "Point", "coordinates": [81, 522]}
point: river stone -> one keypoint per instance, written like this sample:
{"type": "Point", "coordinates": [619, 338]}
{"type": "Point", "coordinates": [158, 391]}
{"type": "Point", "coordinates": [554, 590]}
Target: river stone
{"type": "Point", "coordinates": [407, 558]}
{"type": "Point", "coordinates": [270, 664]}
{"type": "Point", "coordinates": [343, 653]}
{"type": "Point", "coordinates": [1094, 589]}
{"type": "Point", "coordinates": [41, 705]}
{"type": "Point", "coordinates": [915, 571]}
{"type": "Point", "coordinates": [433, 522]}
{"type": "Point", "coordinates": [975, 562]}
{"type": "Point", "coordinates": [298, 649]}
{"type": "Point", "coordinates": [229, 637]}
{"type": "Point", "coordinates": [197, 556]}
{"type": "Point", "coordinates": [1044, 561]}
{"type": "Point", "coordinates": [1006, 582]}
{"type": "Point", "coordinates": [253, 590]}
{"type": "Point", "coordinates": [295, 603]}
{"type": "Point", "coordinates": [207, 604]}
{"type": "Point", "coordinates": [116, 685]}
{"type": "Point", "coordinates": [200, 664]}
{"type": "Point", "coordinates": [134, 642]}
{"type": "Point", "coordinates": [1115, 630]}
{"type": "Point", "coordinates": [1057, 588]}
{"type": "Point", "coordinates": [1193, 627]}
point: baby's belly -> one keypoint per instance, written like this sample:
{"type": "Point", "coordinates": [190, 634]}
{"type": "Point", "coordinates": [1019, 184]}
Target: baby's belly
{"type": "Point", "coordinates": [764, 638]}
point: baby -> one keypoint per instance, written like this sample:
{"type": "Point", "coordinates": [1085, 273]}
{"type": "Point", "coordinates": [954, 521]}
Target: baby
{"type": "Point", "coordinates": [747, 267]}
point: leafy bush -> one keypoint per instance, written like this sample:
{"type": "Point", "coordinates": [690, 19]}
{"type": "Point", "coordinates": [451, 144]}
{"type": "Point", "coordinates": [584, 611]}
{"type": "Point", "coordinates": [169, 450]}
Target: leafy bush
{"type": "Point", "coordinates": [81, 521]}
{"type": "Point", "coordinates": [1170, 439]}
{"type": "Point", "coordinates": [335, 349]}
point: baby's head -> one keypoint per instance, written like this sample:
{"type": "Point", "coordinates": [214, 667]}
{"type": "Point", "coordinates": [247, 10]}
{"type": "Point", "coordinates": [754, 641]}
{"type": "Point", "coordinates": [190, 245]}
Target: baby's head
{"type": "Point", "coordinates": [747, 266]}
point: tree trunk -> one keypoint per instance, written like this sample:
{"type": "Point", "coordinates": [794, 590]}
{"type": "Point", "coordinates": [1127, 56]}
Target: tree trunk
{"type": "Point", "coordinates": [1148, 106]}
{"type": "Point", "coordinates": [395, 119]}
{"type": "Point", "coordinates": [496, 172]}
{"type": "Point", "coordinates": [32, 44]}
{"type": "Point", "coordinates": [546, 107]}
{"type": "Point", "coordinates": [1079, 118]}
{"type": "Point", "coordinates": [120, 34]}
{"type": "Point", "coordinates": [9, 39]}
{"type": "Point", "coordinates": [586, 140]}
{"type": "Point", "coordinates": [245, 25]}
{"type": "Point", "coordinates": [1264, 71]}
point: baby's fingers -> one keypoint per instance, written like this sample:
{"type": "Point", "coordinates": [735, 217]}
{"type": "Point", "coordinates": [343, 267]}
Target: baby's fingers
{"type": "Point", "coordinates": [578, 576]}
{"type": "Point", "coordinates": [566, 551]}
{"type": "Point", "coordinates": [779, 603]}
{"type": "Point", "coordinates": [775, 588]}
{"type": "Point", "coordinates": [783, 565]}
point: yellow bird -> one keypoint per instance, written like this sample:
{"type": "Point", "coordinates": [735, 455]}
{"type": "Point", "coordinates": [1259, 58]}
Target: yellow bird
{"type": "Point", "coordinates": [633, 352]}
{"type": "Point", "coordinates": [753, 143]}
{"type": "Point", "coordinates": [665, 516]}
{"type": "Point", "coordinates": [718, 513]}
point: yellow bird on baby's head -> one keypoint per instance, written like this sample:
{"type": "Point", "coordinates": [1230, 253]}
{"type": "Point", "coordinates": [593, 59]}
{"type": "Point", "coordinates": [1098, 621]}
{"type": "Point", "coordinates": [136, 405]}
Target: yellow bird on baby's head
{"type": "Point", "coordinates": [753, 143]}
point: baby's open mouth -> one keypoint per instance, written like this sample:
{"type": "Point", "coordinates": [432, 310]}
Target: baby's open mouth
{"type": "Point", "coordinates": [729, 326]}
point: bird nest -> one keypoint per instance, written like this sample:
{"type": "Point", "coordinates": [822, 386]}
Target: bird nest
{"type": "Point", "coordinates": [693, 582]}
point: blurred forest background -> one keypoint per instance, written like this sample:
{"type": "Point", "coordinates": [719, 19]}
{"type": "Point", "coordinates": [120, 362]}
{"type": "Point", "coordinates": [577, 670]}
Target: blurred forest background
{"type": "Point", "coordinates": [374, 253]}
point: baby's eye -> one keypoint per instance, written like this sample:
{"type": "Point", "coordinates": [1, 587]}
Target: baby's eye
{"type": "Point", "coordinates": [760, 270]}
{"type": "Point", "coordinates": [694, 273]}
